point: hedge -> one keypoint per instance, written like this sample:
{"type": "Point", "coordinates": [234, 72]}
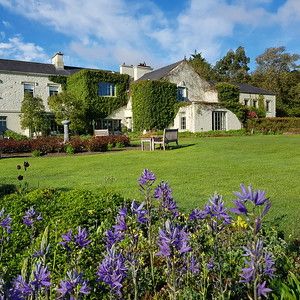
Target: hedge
{"type": "Point", "coordinates": [153, 104]}
{"type": "Point", "coordinates": [54, 144]}
{"type": "Point", "coordinates": [274, 125]}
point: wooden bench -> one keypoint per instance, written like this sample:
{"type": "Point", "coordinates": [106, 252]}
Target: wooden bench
{"type": "Point", "coordinates": [170, 135]}
{"type": "Point", "coordinates": [101, 132]}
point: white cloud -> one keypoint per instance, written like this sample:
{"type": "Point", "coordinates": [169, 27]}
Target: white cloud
{"type": "Point", "coordinates": [16, 48]}
{"type": "Point", "coordinates": [116, 31]}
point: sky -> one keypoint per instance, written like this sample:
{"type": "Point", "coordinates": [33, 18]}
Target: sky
{"type": "Point", "coordinates": [106, 33]}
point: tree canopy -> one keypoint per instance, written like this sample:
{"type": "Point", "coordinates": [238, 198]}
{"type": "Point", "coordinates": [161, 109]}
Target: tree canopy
{"type": "Point", "coordinates": [33, 115]}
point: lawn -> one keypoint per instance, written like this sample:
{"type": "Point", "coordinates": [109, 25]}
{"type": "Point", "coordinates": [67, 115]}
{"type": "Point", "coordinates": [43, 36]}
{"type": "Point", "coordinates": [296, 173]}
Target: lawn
{"type": "Point", "coordinates": [194, 171]}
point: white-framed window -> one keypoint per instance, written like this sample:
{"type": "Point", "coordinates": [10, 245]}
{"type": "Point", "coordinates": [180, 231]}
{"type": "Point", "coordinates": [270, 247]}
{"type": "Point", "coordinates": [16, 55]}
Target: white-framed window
{"type": "Point", "coordinates": [3, 123]}
{"type": "Point", "coordinates": [181, 93]}
{"type": "Point", "coordinates": [246, 102]}
{"type": "Point", "coordinates": [255, 102]}
{"type": "Point", "coordinates": [219, 120]}
{"type": "Point", "coordinates": [106, 89]}
{"type": "Point", "coordinates": [28, 88]}
{"type": "Point", "coordinates": [268, 105]}
{"type": "Point", "coordinates": [53, 90]}
{"type": "Point", "coordinates": [183, 122]}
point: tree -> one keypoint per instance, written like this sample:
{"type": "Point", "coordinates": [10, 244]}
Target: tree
{"type": "Point", "coordinates": [233, 67]}
{"type": "Point", "coordinates": [66, 106]}
{"type": "Point", "coordinates": [275, 59]}
{"type": "Point", "coordinates": [277, 71]}
{"type": "Point", "coordinates": [33, 114]}
{"type": "Point", "coordinates": [201, 66]}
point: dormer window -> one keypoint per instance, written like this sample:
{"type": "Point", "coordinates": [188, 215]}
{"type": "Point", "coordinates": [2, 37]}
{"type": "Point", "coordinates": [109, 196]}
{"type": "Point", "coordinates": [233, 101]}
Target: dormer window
{"type": "Point", "coordinates": [181, 92]}
{"type": "Point", "coordinates": [107, 89]}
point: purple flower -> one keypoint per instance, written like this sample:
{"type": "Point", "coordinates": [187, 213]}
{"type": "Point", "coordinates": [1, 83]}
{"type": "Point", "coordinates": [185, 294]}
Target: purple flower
{"type": "Point", "coordinates": [20, 289]}
{"type": "Point", "coordinates": [194, 265]}
{"type": "Point", "coordinates": [81, 238]}
{"type": "Point", "coordinates": [112, 237]}
{"type": "Point", "coordinates": [172, 240]}
{"type": "Point", "coordinates": [248, 273]}
{"type": "Point", "coordinates": [216, 209]}
{"type": "Point", "coordinates": [147, 178]}
{"type": "Point", "coordinates": [163, 191]}
{"type": "Point", "coordinates": [258, 197]}
{"type": "Point", "coordinates": [211, 264]}
{"type": "Point", "coordinates": [113, 271]}
{"type": "Point", "coordinates": [262, 290]}
{"type": "Point", "coordinates": [269, 265]}
{"type": "Point", "coordinates": [5, 222]}
{"type": "Point", "coordinates": [198, 214]}
{"type": "Point", "coordinates": [73, 285]}
{"type": "Point", "coordinates": [240, 208]}
{"type": "Point", "coordinates": [121, 220]}
{"type": "Point", "coordinates": [41, 277]}
{"type": "Point", "coordinates": [30, 217]}
{"type": "Point", "coordinates": [137, 209]}
{"type": "Point", "coordinates": [67, 239]}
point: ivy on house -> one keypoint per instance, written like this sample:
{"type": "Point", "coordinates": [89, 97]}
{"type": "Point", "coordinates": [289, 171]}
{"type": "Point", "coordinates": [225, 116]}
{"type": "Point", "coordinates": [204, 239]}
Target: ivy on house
{"type": "Point", "coordinates": [60, 79]}
{"type": "Point", "coordinates": [84, 86]}
{"type": "Point", "coordinates": [153, 104]}
{"type": "Point", "coordinates": [228, 95]}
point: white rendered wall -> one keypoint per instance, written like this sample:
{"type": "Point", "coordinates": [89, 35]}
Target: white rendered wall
{"type": "Point", "coordinates": [199, 118]}
{"type": "Point", "coordinates": [12, 95]}
{"type": "Point", "coordinates": [270, 98]}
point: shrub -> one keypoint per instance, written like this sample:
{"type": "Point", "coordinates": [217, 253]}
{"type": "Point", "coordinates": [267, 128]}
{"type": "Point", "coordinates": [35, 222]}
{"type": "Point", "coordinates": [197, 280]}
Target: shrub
{"type": "Point", "coordinates": [14, 135]}
{"type": "Point", "coordinates": [273, 125]}
{"type": "Point", "coordinates": [60, 210]}
{"type": "Point", "coordinates": [36, 153]}
{"type": "Point", "coordinates": [69, 149]}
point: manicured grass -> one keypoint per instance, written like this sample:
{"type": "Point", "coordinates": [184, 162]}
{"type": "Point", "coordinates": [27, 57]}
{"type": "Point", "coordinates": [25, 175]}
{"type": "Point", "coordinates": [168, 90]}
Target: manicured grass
{"type": "Point", "coordinates": [195, 171]}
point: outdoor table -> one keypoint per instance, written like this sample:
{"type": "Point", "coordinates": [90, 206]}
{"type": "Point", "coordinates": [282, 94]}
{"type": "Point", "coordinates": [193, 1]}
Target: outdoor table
{"type": "Point", "coordinates": [145, 140]}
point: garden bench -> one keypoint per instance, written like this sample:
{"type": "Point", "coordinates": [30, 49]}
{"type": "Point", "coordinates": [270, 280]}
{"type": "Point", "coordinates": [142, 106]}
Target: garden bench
{"type": "Point", "coordinates": [170, 135]}
{"type": "Point", "coordinates": [101, 132]}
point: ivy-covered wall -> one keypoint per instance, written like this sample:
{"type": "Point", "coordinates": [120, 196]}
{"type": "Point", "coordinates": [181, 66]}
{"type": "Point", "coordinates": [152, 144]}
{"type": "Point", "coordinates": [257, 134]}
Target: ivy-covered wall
{"type": "Point", "coordinates": [84, 85]}
{"type": "Point", "coordinates": [153, 104]}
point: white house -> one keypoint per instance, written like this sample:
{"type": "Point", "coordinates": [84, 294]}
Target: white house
{"type": "Point", "coordinates": [202, 111]}
{"type": "Point", "coordinates": [18, 77]}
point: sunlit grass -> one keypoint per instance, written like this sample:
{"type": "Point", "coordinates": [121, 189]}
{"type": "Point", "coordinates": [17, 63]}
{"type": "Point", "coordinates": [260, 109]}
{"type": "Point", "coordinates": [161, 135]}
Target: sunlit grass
{"type": "Point", "coordinates": [195, 171]}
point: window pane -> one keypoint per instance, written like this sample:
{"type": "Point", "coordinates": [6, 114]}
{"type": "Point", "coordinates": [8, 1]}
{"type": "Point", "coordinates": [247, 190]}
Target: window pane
{"type": "Point", "coordinates": [28, 88]}
{"type": "Point", "coordinates": [181, 93]}
{"type": "Point", "coordinates": [3, 124]}
{"type": "Point", "coordinates": [218, 120]}
{"type": "Point", "coordinates": [106, 89]}
{"type": "Point", "coordinates": [53, 90]}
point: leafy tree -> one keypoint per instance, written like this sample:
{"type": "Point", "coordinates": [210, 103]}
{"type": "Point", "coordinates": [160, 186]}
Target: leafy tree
{"type": "Point", "coordinates": [66, 106]}
{"type": "Point", "coordinates": [33, 115]}
{"type": "Point", "coordinates": [201, 66]}
{"type": "Point", "coordinates": [276, 71]}
{"type": "Point", "coordinates": [233, 67]}
{"type": "Point", "coordinates": [275, 59]}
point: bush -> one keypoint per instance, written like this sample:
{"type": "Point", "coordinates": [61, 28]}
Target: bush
{"type": "Point", "coordinates": [14, 135]}
{"type": "Point", "coordinates": [36, 153]}
{"type": "Point", "coordinates": [69, 149]}
{"type": "Point", "coordinates": [60, 210]}
{"type": "Point", "coordinates": [273, 125]}
{"type": "Point", "coordinates": [55, 144]}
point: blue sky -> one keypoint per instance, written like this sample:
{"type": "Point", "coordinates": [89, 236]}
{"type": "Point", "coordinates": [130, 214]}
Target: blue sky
{"type": "Point", "coordinates": [106, 33]}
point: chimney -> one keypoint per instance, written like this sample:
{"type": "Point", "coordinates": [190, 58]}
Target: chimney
{"type": "Point", "coordinates": [126, 69]}
{"type": "Point", "coordinates": [135, 72]}
{"type": "Point", "coordinates": [58, 60]}
{"type": "Point", "coordinates": [140, 70]}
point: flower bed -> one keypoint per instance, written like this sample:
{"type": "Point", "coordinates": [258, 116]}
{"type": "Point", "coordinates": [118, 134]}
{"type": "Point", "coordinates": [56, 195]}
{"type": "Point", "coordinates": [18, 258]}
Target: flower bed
{"type": "Point", "coordinates": [53, 144]}
{"type": "Point", "coordinates": [151, 251]}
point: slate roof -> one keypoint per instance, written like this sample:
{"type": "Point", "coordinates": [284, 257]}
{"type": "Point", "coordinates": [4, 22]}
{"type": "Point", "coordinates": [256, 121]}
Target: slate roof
{"type": "Point", "coordinates": [37, 68]}
{"type": "Point", "coordinates": [250, 89]}
{"type": "Point", "coordinates": [160, 73]}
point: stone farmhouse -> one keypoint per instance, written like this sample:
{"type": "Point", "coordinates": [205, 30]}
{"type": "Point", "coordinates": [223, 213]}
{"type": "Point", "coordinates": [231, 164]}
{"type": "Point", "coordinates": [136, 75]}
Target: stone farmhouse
{"type": "Point", "coordinates": [202, 111]}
